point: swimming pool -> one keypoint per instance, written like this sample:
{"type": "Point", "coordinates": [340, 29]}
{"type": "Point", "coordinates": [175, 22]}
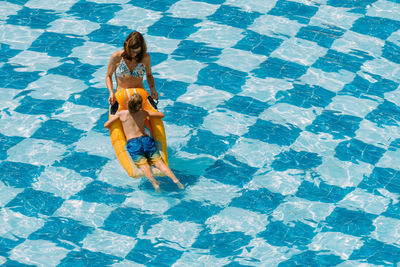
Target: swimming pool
{"type": "Point", "coordinates": [282, 121]}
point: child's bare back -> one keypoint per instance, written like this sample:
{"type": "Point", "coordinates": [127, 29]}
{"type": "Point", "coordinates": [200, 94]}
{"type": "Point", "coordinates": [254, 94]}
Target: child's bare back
{"type": "Point", "coordinates": [133, 124]}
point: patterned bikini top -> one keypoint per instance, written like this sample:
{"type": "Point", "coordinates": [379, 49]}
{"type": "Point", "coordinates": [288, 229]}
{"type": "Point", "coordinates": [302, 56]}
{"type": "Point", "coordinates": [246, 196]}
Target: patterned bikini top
{"type": "Point", "coordinates": [123, 70]}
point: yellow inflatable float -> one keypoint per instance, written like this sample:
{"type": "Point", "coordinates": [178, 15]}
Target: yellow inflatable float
{"type": "Point", "coordinates": [154, 128]}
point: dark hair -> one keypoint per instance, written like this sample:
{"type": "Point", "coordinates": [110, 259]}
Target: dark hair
{"type": "Point", "coordinates": [134, 38]}
{"type": "Point", "coordinates": [134, 103]}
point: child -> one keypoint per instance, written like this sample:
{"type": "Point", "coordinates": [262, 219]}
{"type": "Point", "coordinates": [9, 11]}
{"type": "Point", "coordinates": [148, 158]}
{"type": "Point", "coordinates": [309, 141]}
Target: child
{"type": "Point", "coordinates": [140, 146]}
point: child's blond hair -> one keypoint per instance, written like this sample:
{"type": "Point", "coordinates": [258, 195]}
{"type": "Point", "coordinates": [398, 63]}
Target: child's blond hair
{"type": "Point", "coordinates": [134, 103]}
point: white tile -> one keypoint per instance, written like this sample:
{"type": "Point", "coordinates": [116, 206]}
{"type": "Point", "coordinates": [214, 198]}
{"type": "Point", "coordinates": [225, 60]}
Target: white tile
{"type": "Point", "coordinates": [8, 193]}
{"type": "Point", "coordinates": [8, 9]}
{"type": "Point", "coordinates": [387, 230]}
{"type": "Point", "coordinates": [338, 243]}
{"type": "Point", "coordinates": [361, 200]}
{"type": "Point", "coordinates": [21, 124]}
{"type": "Point", "coordinates": [15, 224]}
{"type": "Point", "coordinates": [394, 38]}
{"type": "Point", "coordinates": [177, 136]}
{"type": "Point", "coordinates": [252, 5]}
{"type": "Point", "coordinates": [8, 100]}
{"type": "Point", "coordinates": [383, 67]}
{"type": "Point", "coordinates": [212, 191]}
{"type": "Point", "coordinates": [351, 41]}
{"type": "Point", "coordinates": [238, 123]}
{"type": "Point", "coordinates": [36, 152]}
{"type": "Point", "coordinates": [393, 96]}
{"type": "Point", "coordinates": [161, 44]}
{"type": "Point", "coordinates": [390, 159]}
{"type": "Point", "coordinates": [18, 37]}
{"type": "Point", "coordinates": [201, 257]}
{"type": "Point", "coordinates": [264, 89]}
{"type": "Point", "coordinates": [181, 70]}
{"type": "Point", "coordinates": [276, 26]}
{"type": "Point", "coordinates": [113, 173]}
{"type": "Point", "coordinates": [39, 253]}
{"type": "Point", "coordinates": [239, 59]}
{"type": "Point", "coordinates": [61, 182]}
{"type": "Point", "coordinates": [90, 214]}
{"type": "Point", "coordinates": [61, 6]}
{"type": "Point", "coordinates": [53, 86]}
{"type": "Point", "coordinates": [298, 50]}
{"type": "Point", "coordinates": [380, 136]}
{"type": "Point", "coordinates": [323, 143]}
{"type": "Point", "coordinates": [30, 61]}
{"type": "Point", "coordinates": [217, 35]}
{"type": "Point", "coordinates": [343, 173]}
{"type": "Point", "coordinates": [149, 201]}
{"type": "Point", "coordinates": [94, 53]}
{"type": "Point", "coordinates": [109, 243]}
{"type": "Point", "coordinates": [204, 96]}
{"type": "Point", "coordinates": [183, 234]}
{"type": "Point", "coordinates": [231, 219]}
{"type": "Point", "coordinates": [135, 18]}
{"type": "Point", "coordinates": [192, 9]}
{"type": "Point", "coordinates": [332, 81]}
{"type": "Point", "coordinates": [95, 143]}
{"type": "Point", "coordinates": [349, 105]}
{"type": "Point", "coordinates": [384, 9]}
{"type": "Point", "coordinates": [334, 16]}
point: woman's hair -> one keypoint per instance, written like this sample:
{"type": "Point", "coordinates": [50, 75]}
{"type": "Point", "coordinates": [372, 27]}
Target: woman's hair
{"type": "Point", "coordinates": [133, 39]}
{"type": "Point", "coordinates": [134, 103]}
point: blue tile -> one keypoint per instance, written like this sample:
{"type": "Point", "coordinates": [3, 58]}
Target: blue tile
{"type": "Point", "coordinates": [230, 171]}
{"type": "Point", "coordinates": [58, 229]}
{"type": "Point", "coordinates": [386, 178]}
{"type": "Point", "coordinates": [214, 145]}
{"type": "Point", "coordinates": [33, 18]}
{"type": "Point", "coordinates": [278, 68]}
{"type": "Point", "coordinates": [128, 221]}
{"type": "Point", "coordinates": [99, 126]}
{"type": "Point", "coordinates": [101, 192]}
{"type": "Point", "coordinates": [154, 5]}
{"type": "Point", "coordinates": [294, 11]}
{"type": "Point", "coordinates": [6, 142]}
{"type": "Point", "coordinates": [32, 106]}
{"type": "Point", "coordinates": [334, 61]}
{"type": "Point", "coordinates": [184, 114]}
{"type": "Point", "coordinates": [11, 263]}
{"type": "Point", "coordinates": [322, 192]}
{"type": "Point", "coordinates": [297, 234]}
{"type": "Point", "coordinates": [273, 133]}
{"type": "Point", "coordinates": [393, 210]}
{"type": "Point", "coordinates": [99, 13]}
{"type": "Point", "coordinates": [222, 78]}
{"type": "Point", "coordinates": [18, 2]}
{"type": "Point", "coordinates": [312, 258]}
{"type": "Point", "coordinates": [85, 257]}
{"type": "Point", "coordinates": [261, 200]}
{"type": "Point", "coordinates": [306, 96]}
{"type": "Point", "coordinates": [110, 34]}
{"type": "Point", "coordinates": [83, 163]}
{"type": "Point", "coordinates": [391, 52]}
{"type": "Point", "coordinates": [332, 122]}
{"type": "Point", "coordinates": [350, 3]}
{"type": "Point", "coordinates": [360, 87]}
{"type": "Point", "coordinates": [173, 27]}
{"type": "Point", "coordinates": [222, 244]}
{"type": "Point", "coordinates": [258, 43]}
{"type": "Point", "coordinates": [56, 44]}
{"type": "Point", "coordinates": [92, 97]}
{"type": "Point", "coordinates": [394, 145]}
{"type": "Point", "coordinates": [350, 222]}
{"type": "Point", "coordinates": [11, 77]}
{"type": "Point", "coordinates": [233, 16]}
{"type": "Point", "coordinates": [6, 245]}
{"type": "Point", "coordinates": [171, 89]}
{"type": "Point", "coordinates": [194, 211]}
{"type": "Point", "coordinates": [32, 202]}
{"type": "Point", "coordinates": [292, 159]}
{"type": "Point", "coordinates": [386, 113]}
{"type": "Point", "coordinates": [378, 253]}
{"type": "Point", "coordinates": [59, 131]}
{"type": "Point", "coordinates": [191, 50]}
{"type": "Point", "coordinates": [213, 2]}
{"type": "Point", "coordinates": [6, 52]}
{"type": "Point", "coordinates": [354, 150]}
{"type": "Point", "coordinates": [153, 254]}
{"type": "Point", "coordinates": [245, 105]}
{"type": "Point", "coordinates": [322, 36]}
{"type": "Point", "coordinates": [157, 58]}
{"type": "Point", "coordinates": [75, 69]}
{"type": "Point", "coordinates": [375, 26]}
{"type": "Point", "coordinates": [19, 174]}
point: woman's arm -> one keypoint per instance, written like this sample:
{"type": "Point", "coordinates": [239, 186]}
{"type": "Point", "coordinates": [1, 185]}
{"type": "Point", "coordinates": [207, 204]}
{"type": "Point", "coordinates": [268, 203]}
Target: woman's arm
{"type": "Point", "coordinates": [154, 114]}
{"type": "Point", "coordinates": [112, 65]}
{"type": "Point", "coordinates": [149, 76]}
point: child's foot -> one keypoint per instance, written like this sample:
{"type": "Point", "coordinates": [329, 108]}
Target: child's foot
{"type": "Point", "coordinates": [156, 186]}
{"type": "Point", "coordinates": [179, 184]}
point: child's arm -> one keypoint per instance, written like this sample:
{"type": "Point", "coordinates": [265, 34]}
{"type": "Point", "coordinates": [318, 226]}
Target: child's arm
{"type": "Point", "coordinates": [157, 114]}
{"type": "Point", "coordinates": [110, 121]}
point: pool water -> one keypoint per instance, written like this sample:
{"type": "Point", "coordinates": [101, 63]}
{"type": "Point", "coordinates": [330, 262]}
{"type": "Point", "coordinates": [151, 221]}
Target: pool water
{"type": "Point", "coordinates": [282, 121]}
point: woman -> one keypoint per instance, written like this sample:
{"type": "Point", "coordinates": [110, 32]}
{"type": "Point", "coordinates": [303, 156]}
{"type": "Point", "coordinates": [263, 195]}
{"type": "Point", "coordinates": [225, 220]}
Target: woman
{"type": "Point", "coordinates": [130, 65]}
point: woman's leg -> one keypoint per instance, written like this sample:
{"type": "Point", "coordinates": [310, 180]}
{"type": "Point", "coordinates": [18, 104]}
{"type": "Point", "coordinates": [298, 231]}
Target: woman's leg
{"type": "Point", "coordinates": [147, 171]}
{"type": "Point", "coordinates": [165, 169]}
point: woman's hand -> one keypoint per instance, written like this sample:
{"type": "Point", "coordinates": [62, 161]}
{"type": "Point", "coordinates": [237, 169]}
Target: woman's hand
{"type": "Point", "coordinates": [111, 99]}
{"type": "Point", "coordinates": [154, 93]}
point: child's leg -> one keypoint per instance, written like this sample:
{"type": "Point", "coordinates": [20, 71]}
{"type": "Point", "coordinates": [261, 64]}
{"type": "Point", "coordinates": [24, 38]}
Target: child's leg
{"type": "Point", "coordinates": [147, 171]}
{"type": "Point", "coordinates": [165, 169]}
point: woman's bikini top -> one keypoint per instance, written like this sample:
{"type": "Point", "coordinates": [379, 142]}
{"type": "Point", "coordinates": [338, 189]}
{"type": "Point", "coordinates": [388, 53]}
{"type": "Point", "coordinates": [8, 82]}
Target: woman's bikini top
{"type": "Point", "coordinates": [123, 70]}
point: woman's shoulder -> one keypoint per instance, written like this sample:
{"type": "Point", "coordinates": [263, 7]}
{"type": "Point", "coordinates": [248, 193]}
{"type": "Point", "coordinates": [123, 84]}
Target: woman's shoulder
{"type": "Point", "coordinates": [117, 54]}
{"type": "Point", "coordinates": [146, 58]}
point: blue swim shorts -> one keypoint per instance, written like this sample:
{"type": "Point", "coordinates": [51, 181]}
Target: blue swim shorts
{"type": "Point", "coordinates": [143, 150]}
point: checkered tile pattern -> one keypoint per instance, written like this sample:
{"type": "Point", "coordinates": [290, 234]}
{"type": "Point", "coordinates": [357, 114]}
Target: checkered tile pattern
{"type": "Point", "coordinates": [282, 121]}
